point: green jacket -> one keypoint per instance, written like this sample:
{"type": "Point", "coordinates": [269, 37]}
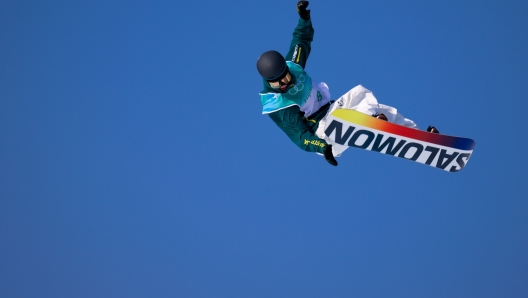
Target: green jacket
{"type": "Point", "coordinates": [291, 120]}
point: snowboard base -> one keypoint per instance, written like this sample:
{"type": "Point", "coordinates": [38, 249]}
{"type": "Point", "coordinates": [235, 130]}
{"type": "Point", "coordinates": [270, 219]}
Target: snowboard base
{"type": "Point", "coordinates": [355, 129]}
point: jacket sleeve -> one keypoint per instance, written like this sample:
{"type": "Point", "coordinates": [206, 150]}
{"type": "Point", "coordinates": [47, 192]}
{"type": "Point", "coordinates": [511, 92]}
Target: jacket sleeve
{"type": "Point", "coordinates": [300, 46]}
{"type": "Point", "coordinates": [291, 121]}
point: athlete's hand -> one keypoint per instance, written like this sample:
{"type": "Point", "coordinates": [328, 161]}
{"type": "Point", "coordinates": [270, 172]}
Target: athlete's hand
{"type": "Point", "coordinates": [329, 157]}
{"type": "Point", "coordinates": [301, 9]}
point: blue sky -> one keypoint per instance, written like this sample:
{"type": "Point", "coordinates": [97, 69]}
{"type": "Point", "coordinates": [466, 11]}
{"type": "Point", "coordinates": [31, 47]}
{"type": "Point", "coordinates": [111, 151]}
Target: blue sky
{"type": "Point", "coordinates": [135, 162]}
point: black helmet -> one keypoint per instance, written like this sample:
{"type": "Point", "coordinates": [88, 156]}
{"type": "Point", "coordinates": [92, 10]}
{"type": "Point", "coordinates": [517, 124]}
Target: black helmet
{"type": "Point", "coordinates": [271, 65]}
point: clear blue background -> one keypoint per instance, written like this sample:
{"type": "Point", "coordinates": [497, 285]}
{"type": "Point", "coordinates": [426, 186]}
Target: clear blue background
{"type": "Point", "coordinates": [135, 162]}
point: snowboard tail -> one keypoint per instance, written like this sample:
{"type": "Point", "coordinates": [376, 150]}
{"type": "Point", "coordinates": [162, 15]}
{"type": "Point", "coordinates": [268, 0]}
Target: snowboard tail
{"type": "Point", "coordinates": [355, 129]}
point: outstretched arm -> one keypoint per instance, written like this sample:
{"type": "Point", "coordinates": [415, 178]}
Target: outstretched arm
{"type": "Point", "coordinates": [291, 121]}
{"type": "Point", "coordinates": [300, 46]}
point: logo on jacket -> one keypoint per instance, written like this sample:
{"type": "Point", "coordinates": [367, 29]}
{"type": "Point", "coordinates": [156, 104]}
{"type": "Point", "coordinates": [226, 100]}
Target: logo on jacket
{"type": "Point", "coordinates": [299, 86]}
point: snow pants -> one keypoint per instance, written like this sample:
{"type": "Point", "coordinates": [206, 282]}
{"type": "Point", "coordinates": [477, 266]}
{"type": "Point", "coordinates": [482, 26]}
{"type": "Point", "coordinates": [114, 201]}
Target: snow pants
{"type": "Point", "coordinates": [362, 100]}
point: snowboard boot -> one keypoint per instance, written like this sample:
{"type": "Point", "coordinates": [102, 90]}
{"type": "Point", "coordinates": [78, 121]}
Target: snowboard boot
{"type": "Point", "coordinates": [380, 116]}
{"type": "Point", "coordinates": [432, 129]}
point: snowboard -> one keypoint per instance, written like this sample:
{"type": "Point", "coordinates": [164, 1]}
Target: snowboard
{"type": "Point", "coordinates": [358, 130]}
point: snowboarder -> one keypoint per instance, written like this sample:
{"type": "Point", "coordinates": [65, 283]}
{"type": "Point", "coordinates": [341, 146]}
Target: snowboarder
{"type": "Point", "coordinates": [300, 106]}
